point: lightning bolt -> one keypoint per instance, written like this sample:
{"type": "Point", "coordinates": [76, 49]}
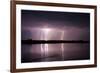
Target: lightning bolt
{"type": "Point", "coordinates": [62, 45]}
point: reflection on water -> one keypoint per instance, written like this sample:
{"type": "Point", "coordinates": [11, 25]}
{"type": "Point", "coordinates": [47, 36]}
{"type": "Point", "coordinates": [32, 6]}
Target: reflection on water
{"type": "Point", "coordinates": [54, 52]}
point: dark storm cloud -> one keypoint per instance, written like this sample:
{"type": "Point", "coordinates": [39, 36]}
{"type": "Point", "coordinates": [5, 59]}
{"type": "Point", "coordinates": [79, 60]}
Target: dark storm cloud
{"type": "Point", "coordinates": [75, 25]}
{"type": "Point", "coordinates": [60, 19]}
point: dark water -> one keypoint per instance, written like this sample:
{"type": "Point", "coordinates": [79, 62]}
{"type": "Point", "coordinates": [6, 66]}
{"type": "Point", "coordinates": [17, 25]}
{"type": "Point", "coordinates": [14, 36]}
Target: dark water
{"type": "Point", "coordinates": [55, 52]}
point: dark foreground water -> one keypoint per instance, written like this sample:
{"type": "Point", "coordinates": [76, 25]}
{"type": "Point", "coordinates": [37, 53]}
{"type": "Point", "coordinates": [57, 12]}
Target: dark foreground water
{"type": "Point", "coordinates": [54, 52]}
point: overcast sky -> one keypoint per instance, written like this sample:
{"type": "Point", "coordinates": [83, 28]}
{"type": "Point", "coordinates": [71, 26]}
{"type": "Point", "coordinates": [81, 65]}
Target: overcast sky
{"type": "Point", "coordinates": [76, 26]}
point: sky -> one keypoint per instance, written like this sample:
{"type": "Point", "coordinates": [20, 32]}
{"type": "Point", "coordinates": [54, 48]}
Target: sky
{"type": "Point", "coordinates": [74, 26]}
